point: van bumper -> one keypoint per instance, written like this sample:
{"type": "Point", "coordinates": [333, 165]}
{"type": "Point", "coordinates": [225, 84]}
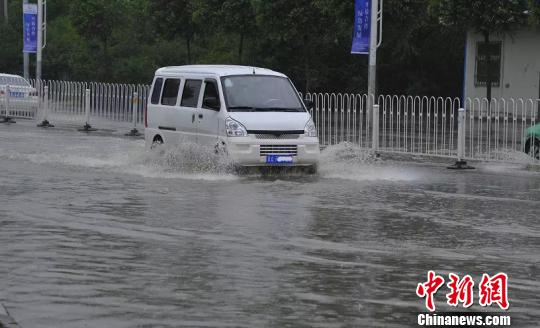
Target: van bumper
{"type": "Point", "coordinates": [248, 151]}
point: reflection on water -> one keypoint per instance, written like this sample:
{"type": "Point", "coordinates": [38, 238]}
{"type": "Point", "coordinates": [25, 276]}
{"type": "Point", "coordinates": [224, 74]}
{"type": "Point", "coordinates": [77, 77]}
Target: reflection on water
{"type": "Point", "coordinates": [95, 232]}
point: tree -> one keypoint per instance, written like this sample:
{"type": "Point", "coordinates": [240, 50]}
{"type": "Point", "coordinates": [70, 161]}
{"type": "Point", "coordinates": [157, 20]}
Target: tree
{"type": "Point", "coordinates": [486, 17]}
{"type": "Point", "coordinates": [96, 21]}
{"type": "Point", "coordinates": [534, 12]}
{"type": "Point", "coordinates": [411, 53]}
{"type": "Point", "coordinates": [176, 17]}
{"type": "Point", "coordinates": [239, 17]}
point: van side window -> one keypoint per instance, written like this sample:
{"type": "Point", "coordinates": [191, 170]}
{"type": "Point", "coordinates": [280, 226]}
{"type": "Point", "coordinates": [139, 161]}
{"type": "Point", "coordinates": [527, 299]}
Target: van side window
{"type": "Point", "coordinates": [157, 91]}
{"type": "Point", "coordinates": [170, 92]}
{"type": "Point", "coordinates": [211, 96]}
{"type": "Point", "coordinates": [190, 96]}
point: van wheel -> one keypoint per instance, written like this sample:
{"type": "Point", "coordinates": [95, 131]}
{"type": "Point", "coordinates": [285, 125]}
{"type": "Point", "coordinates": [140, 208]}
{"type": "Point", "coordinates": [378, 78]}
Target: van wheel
{"type": "Point", "coordinates": [158, 141]}
{"type": "Point", "coordinates": [534, 152]}
{"type": "Point", "coordinates": [312, 169]}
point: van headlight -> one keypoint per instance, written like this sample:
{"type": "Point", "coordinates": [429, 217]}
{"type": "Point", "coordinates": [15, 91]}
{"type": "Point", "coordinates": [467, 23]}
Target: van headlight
{"type": "Point", "coordinates": [310, 130]}
{"type": "Point", "coordinates": [234, 128]}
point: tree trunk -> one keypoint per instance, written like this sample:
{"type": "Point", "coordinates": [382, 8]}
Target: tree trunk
{"type": "Point", "coordinates": [306, 72]}
{"type": "Point", "coordinates": [241, 47]}
{"type": "Point", "coordinates": [188, 46]}
{"type": "Point", "coordinates": [489, 77]}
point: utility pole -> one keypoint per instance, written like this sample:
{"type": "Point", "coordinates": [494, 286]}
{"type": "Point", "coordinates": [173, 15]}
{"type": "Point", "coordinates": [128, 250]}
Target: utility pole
{"type": "Point", "coordinates": [26, 57]}
{"type": "Point", "coordinates": [39, 40]}
{"type": "Point", "coordinates": [374, 42]}
{"type": "Point", "coordinates": [6, 16]}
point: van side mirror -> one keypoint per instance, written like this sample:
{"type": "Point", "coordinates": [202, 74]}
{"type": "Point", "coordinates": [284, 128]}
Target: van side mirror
{"type": "Point", "coordinates": [309, 104]}
{"type": "Point", "coordinates": [211, 103]}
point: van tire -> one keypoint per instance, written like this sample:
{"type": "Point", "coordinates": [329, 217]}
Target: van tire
{"type": "Point", "coordinates": [313, 169]}
{"type": "Point", "coordinates": [158, 141]}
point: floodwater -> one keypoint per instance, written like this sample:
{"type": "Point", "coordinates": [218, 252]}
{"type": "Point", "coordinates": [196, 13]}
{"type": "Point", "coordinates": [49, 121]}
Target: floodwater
{"type": "Point", "coordinates": [97, 232]}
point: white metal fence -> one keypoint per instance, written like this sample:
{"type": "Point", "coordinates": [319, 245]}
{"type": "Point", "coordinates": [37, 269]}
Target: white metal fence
{"type": "Point", "coordinates": [15, 102]}
{"type": "Point", "coordinates": [492, 130]}
{"type": "Point", "coordinates": [67, 101]}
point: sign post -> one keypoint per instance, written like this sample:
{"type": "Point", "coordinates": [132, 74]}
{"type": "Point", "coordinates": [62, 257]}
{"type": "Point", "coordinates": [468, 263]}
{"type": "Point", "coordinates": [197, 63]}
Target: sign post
{"type": "Point", "coordinates": [367, 38]}
{"type": "Point", "coordinates": [39, 40]}
{"type": "Point", "coordinates": [372, 74]}
{"type": "Point", "coordinates": [362, 27]}
{"type": "Point", "coordinates": [26, 55]}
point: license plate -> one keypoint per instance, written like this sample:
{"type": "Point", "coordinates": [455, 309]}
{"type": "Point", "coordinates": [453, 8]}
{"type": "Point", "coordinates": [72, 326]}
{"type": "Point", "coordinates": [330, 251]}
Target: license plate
{"type": "Point", "coordinates": [279, 159]}
{"type": "Point", "coordinates": [16, 94]}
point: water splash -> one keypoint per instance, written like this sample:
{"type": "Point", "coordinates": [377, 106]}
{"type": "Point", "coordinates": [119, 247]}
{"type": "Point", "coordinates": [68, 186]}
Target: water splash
{"type": "Point", "coordinates": [189, 159]}
{"type": "Point", "coordinates": [350, 162]}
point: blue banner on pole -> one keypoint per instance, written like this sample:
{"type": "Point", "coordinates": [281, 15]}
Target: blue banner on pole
{"type": "Point", "coordinates": [30, 27]}
{"type": "Point", "coordinates": [362, 27]}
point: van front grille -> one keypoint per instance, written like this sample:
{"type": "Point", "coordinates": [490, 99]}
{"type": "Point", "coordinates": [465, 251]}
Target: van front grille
{"type": "Point", "coordinates": [279, 150]}
{"type": "Point", "coordinates": [277, 136]}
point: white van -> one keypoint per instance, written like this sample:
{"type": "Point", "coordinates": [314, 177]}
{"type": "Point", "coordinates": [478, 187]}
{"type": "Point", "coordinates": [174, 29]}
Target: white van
{"type": "Point", "coordinates": [254, 115]}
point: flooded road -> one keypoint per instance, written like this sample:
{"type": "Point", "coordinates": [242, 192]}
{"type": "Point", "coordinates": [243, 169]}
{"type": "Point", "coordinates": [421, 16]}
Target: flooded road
{"type": "Point", "coordinates": [96, 232]}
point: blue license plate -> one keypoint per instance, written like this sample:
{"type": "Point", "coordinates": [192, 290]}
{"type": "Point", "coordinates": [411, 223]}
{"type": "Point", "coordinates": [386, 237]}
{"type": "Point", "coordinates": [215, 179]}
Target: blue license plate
{"type": "Point", "coordinates": [16, 94]}
{"type": "Point", "coordinates": [279, 159]}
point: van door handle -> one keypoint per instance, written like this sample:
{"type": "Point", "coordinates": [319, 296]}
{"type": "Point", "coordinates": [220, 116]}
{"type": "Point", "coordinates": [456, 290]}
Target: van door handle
{"type": "Point", "coordinates": [201, 116]}
{"type": "Point", "coordinates": [193, 118]}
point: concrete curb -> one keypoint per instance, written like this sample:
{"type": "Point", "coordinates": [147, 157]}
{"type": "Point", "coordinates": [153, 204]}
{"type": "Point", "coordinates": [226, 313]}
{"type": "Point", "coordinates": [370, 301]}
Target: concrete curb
{"type": "Point", "coordinates": [6, 321]}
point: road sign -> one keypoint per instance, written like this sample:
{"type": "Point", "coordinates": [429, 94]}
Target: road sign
{"type": "Point", "coordinates": [30, 27]}
{"type": "Point", "coordinates": [362, 27]}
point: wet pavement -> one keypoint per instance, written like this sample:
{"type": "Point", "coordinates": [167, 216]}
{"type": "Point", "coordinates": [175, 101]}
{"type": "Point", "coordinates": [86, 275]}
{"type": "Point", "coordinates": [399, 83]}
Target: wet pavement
{"type": "Point", "coordinates": [97, 232]}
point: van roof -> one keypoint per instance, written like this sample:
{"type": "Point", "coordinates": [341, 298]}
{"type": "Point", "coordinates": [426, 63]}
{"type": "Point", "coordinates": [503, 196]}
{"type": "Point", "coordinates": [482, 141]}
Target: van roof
{"type": "Point", "coordinates": [220, 70]}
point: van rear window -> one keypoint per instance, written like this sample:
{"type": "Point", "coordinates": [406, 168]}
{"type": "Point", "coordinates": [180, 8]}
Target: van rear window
{"type": "Point", "coordinates": [157, 91]}
{"type": "Point", "coordinates": [170, 92]}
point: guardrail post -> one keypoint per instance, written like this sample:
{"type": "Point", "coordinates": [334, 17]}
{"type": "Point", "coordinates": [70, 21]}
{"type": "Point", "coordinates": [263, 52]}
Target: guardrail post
{"type": "Point", "coordinates": [461, 164]}
{"type": "Point", "coordinates": [135, 110]}
{"type": "Point", "coordinates": [87, 127]}
{"type": "Point", "coordinates": [7, 119]}
{"type": "Point", "coordinates": [375, 129]}
{"type": "Point", "coordinates": [44, 107]}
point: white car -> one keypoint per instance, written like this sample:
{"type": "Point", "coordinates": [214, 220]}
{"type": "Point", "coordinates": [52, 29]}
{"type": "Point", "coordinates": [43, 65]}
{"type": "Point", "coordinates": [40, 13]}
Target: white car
{"type": "Point", "coordinates": [22, 96]}
{"type": "Point", "coordinates": [254, 115]}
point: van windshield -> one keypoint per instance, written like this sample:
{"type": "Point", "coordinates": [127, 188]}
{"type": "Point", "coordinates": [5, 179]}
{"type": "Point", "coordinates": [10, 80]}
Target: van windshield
{"type": "Point", "coordinates": [257, 93]}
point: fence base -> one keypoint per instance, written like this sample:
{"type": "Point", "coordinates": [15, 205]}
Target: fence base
{"type": "Point", "coordinates": [45, 124]}
{"type": "Point", "coordinates": [7, 120]}
{"type": "Point", "coordinates": [6, 320]}
{"type": "Point", "coordinates": [460, 165]}
{"type": "Point", "coordinates": [87, 128]}
{"type": "Point", "coordinates": [133, 133]}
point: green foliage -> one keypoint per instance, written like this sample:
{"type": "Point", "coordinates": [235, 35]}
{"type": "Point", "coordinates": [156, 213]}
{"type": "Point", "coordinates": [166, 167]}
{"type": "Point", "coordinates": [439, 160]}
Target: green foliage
{"type": "Point", "coordinates": [485, 17]}
{"type": "Point", "coordinates": [534, 11]}
{"type": "Point", "coordinates": [309, 40]}
{"type": "Point", "coordinates": [11, 40]}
